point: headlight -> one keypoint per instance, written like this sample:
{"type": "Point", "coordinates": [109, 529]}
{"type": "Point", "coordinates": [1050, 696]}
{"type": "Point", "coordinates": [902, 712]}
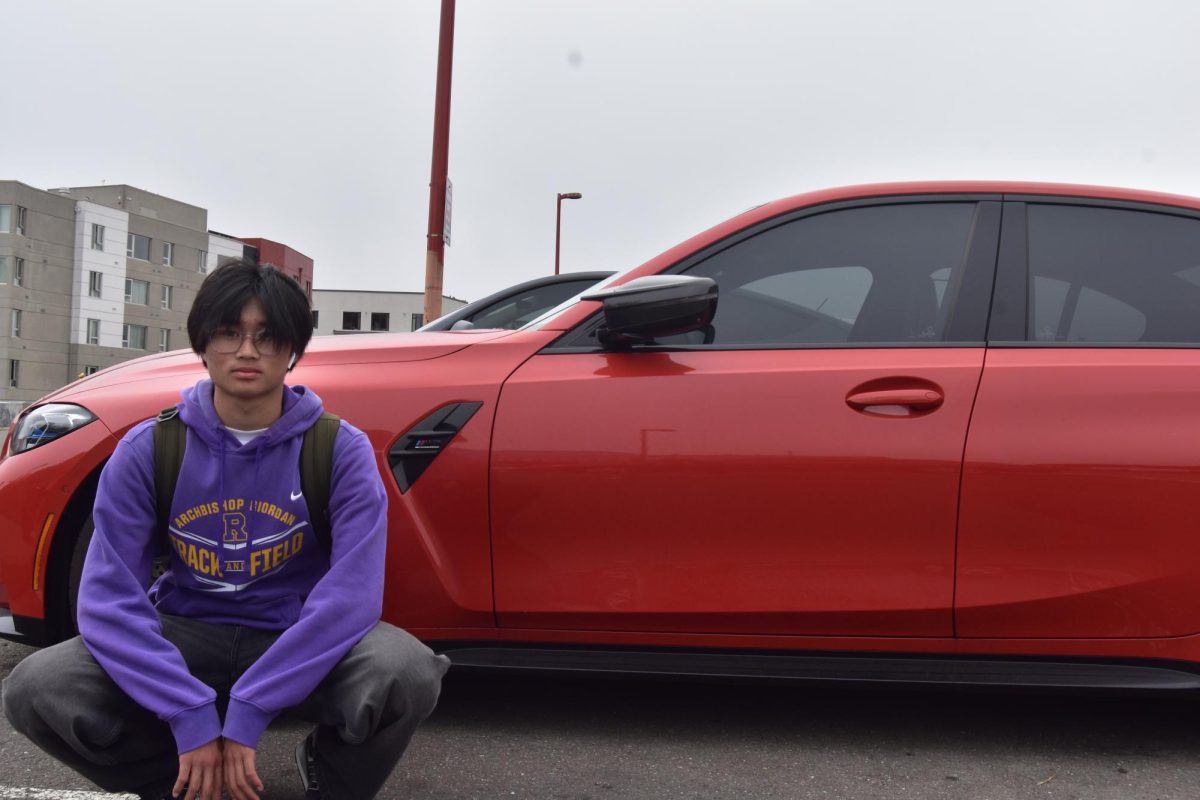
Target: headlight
{"type": "Point", "coordinates": [47, 423]}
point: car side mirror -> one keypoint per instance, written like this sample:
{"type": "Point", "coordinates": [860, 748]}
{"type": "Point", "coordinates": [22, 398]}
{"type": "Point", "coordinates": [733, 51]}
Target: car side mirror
{"type": "Point", "coordinates": [658, 305]}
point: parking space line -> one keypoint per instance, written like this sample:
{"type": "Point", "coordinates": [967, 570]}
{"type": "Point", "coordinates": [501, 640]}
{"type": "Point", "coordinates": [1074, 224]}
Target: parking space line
{"type": "Point", "coordinates": [30, 793]}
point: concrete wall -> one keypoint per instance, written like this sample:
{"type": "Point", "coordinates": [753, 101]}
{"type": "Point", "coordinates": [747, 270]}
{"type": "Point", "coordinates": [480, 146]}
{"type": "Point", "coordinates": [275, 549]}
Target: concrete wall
{"type": "Point", "coordinates": [44, 296]}
{"type": "Point", "coordinates": [182, 275]}
{"type": "Point", "coordinates": [330, 304]}
{"type": "Point", "coordinates": [139, 202]}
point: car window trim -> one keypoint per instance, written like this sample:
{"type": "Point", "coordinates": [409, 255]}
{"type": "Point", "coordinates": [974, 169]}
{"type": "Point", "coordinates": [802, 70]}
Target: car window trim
{"type": "Point", "coordinates": [1034, 345]}
{"type": "Point", "coordinates": [708, 348]}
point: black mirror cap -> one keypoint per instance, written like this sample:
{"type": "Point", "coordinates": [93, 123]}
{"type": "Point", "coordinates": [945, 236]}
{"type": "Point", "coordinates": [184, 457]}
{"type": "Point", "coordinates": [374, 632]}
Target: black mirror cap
{"type": "Point", "coordinates": [657, 305]}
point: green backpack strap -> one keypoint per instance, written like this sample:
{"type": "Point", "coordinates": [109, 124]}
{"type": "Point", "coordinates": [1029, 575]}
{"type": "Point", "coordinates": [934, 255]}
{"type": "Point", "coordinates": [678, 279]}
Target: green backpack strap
{"type": "Point", "coordinates": [170, 438]}
{"type": "Point", "coordinates": [316, 470]}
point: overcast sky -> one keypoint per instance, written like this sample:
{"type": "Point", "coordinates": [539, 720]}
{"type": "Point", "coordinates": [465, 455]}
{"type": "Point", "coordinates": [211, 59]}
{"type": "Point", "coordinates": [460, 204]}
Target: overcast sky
{"type": "Point", "coordinates": [310, 121]}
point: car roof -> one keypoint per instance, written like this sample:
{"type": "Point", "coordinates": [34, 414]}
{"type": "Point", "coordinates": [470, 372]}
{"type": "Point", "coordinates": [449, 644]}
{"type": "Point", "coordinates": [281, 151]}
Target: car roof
{"type": "Point", "coordinates": [1006, 188]}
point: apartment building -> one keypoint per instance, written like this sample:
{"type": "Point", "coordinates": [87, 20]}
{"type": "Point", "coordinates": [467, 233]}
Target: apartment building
{"type": "Point", "coordinates": [92, 276]}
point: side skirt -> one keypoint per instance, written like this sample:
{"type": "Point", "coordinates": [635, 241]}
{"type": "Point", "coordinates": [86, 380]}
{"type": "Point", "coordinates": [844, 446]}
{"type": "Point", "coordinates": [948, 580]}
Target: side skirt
{"type": "Point", "coordinates": [23, 630]}
{"type": "Point", "coordinates": [1059, 674]}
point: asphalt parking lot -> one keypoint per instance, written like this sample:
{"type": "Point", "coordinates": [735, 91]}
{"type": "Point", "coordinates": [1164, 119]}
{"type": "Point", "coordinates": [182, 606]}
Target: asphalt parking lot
{"type": "Point", "coordinates": [578, 739]}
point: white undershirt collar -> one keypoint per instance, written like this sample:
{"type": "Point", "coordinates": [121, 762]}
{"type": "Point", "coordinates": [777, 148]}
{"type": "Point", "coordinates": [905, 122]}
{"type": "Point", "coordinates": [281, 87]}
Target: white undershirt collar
{"type": "Point", "coordinates": [244, 437]}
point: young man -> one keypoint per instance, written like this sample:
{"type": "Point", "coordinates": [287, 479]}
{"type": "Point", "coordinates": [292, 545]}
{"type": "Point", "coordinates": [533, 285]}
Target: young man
{"type": "Point", "coordinates": [166, 693]}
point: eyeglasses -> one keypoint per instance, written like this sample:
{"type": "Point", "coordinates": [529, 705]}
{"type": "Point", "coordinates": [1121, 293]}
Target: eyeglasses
{"type": "Point", "coordinates": [228, 340]}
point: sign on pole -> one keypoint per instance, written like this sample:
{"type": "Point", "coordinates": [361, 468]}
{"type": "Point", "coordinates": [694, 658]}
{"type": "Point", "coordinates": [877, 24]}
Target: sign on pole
{"type": "Point", "coordinates": [446, 222]}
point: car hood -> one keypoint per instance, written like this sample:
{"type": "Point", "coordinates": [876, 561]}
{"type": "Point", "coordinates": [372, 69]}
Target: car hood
{"type": "Point", "coordinates": [182, 367]}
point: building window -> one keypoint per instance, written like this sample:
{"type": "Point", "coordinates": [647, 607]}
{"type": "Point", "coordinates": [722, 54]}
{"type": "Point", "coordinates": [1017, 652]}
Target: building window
{"type": "Point", "coordinates": [137, 291]}
{"type": "Point", "coordinates": [14, 373]}
{"type": "Point", "coordinates": [166, 296]}
{"type": "Point", "coordinates": [168, 253]}
{"type": "Point", "coordinates": [314, 319]}
{"type": "Point", "coordinates": [351, 320]}
{"type": "Point", "coordinates": [97, 237]}
{"type": "Point", "coordinates": [203, 261]}
{"type": "Point", "coordinates": [3, 269]}
{"type": "Point", "coordinates": [417, 321]}
{"type": "Point", "coordinates": [19, 273]}
{"type": "Point", "coordinates": [7, 216]}
{"type": "Point", "coordinates": [95, 282]}
{"type": "Point", "coordinates": [164, 340]}
{"type": "Point", "coordinates": [93, 331]}
{"type": "Point", "coordinates": [16, 322]}
{"type": "Point", "coordinates": [380, 322]}
{"type": "Point", "coordinates": [90, 370]}
{"type": "Point", "coordinates": [137, 246]}
{"type": "Point", "coordinates": [133, 336]}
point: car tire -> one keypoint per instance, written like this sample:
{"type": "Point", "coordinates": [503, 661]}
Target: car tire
{"type": "Point", "coordinates": [74, 573]}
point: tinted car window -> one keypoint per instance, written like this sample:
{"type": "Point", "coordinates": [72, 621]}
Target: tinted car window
{"type": "Point", "coordinates": [1108, 275]}
{"type": "Point", "coordinates": [519, 305]}
{"type": "Point", "coordinates": [879, 274]}
{"type": "Point", "coordinates": [516, 311]}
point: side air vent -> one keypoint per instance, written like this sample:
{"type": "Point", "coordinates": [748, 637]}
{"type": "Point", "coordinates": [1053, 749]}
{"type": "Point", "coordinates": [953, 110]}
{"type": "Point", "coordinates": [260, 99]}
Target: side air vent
{"type": "Point", "coordinates": [416, 449]}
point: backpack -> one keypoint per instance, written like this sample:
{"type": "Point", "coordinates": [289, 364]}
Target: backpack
{"type": "Point", "coordinates": [316, 467]}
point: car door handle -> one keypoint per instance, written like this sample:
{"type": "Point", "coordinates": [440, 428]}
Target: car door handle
{"type": "Point", "coordinates": [918, 399]}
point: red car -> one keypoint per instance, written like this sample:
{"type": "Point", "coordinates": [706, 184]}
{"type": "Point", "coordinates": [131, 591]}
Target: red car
{"type": "Point", "coordinates": [942, 432]}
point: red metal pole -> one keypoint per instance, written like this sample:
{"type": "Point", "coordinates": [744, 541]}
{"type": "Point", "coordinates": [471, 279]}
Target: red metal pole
{"type": "Point", "coordinates": [436, 247]}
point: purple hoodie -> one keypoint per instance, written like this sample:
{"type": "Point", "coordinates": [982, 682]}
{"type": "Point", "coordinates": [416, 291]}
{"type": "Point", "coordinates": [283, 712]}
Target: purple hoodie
{"type": "Point", "coordinates": [242, 553]}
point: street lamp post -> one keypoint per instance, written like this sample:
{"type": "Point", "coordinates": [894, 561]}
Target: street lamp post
{"type": "Point", "coordinates": [558, 222]}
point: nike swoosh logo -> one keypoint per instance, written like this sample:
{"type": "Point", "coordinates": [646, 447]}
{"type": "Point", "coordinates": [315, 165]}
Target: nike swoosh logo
{"type": "Point", "coordinates": [297, 495]}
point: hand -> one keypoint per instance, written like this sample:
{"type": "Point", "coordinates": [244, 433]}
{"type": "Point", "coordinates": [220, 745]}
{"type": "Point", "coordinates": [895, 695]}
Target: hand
{"type": "Point", "coordinates": [240, 778]}
{"type": "Point", "coordinates": [200, 772]}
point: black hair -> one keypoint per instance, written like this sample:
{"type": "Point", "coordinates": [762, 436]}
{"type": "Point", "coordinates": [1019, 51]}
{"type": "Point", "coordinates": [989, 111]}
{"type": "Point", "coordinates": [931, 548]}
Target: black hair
{"type": "Point", "coordinates": [225, 292]}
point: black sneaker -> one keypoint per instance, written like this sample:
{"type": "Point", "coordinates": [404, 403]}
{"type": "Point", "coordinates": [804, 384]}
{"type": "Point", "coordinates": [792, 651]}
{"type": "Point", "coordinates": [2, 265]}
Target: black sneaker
{"type": "Point", "coordinates": [306, 763]}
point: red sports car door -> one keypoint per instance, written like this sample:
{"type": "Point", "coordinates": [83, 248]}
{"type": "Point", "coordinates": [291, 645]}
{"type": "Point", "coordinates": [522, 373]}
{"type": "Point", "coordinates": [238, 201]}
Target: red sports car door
{"type": "Point", "coordinates": [1080, 485]}
{"type": "Point", "coordinates": [796, 472]}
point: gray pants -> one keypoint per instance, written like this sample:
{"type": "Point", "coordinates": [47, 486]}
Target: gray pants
{"type": "Point", "coordinates": [366, 709]}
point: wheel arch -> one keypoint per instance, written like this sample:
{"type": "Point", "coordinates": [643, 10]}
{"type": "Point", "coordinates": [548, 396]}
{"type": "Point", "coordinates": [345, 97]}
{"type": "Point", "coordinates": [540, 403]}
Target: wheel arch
{"type": "Point", "coordinates": [60, 621]}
